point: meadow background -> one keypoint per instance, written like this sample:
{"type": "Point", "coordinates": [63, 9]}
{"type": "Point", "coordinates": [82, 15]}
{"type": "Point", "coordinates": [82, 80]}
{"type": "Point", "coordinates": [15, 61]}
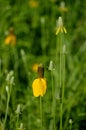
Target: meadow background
{"type": "Point", "coordinates": [35, 23]}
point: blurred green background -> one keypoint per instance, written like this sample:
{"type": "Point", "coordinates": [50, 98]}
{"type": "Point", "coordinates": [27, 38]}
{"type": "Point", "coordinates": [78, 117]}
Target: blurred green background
{"type": "Point", "coordinates": [34, 23]}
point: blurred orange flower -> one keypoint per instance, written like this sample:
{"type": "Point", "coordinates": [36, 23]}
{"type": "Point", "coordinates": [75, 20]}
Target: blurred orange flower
{"type": "Point", "coordinates": [39, 86]}
{"type": "Point", "coordinates": [33, 3]}
{"type": "Point", "coordinates": [35, 67]}
{"type": "Point", "coordinates": [11, 38]}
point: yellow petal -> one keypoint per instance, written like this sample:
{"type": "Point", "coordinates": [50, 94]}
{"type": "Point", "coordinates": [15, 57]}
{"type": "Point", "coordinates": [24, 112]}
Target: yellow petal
{"type": "Point", "coordinates": [11, 39]}
{"type": "Point", "coordinates": [58, 30]}
{"type": "Point", "coordinates": [39, 87]}
{"type": "Point", "coordinates": [64, 29]}
{"type": "Point", "coordinates": [7, 40]}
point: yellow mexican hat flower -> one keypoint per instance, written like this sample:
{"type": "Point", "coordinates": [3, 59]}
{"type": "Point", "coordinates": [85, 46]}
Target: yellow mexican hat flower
{"type": "Point", "coordinates": [60, 27]}
{"type": "Point", "coordinates": [35, 67]}
{"type": "Point", "coordinates": [39, 86]}
{"type": "Point", "coordinates": [11, 39]}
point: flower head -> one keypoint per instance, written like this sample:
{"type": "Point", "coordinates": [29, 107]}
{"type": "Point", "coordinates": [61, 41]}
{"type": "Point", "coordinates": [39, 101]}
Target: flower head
{"type": "Point", "coordinates": [7, 89]}
{"type": "Point", "coordinates": [39, 86]}
{"type": "Point", "coordinates": [70, 121]}
{"type": "Point", "coordinates": [10, 77]}
{"type": "Point", "coordinates": [62, 7]}
{"type": "Point", "coordinates": [51, 66]}
{"type": "Point", "coordinates": [21, 127]}
{"type": "Point", "coordinates": [35, 67]}
{"type": "Point", "coordinates": [60, 27]}
{"type": "Point", "coordinates": [18, 110]}
{"type": "Point", "coordinates": [11, 38]}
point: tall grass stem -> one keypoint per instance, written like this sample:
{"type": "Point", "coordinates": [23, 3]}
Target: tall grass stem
{"type": "Point", "coordinates": [41, 113]}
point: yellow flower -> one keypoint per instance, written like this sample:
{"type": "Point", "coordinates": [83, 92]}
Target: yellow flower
{"type": "Point", "coordinates": [39, 86]}
{"type": "Point", "coordinates": [60, 27]}
{"type": "Point", "coordinates": [35, 67]}
{"type": "Point", "coordinates": [33, 3]}
{"type": "Point", "coordinates": [11, 39]}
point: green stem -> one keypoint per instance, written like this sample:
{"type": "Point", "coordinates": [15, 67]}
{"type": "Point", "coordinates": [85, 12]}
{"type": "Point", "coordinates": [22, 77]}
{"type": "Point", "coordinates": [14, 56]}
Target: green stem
{"type": "Point", "coordinates": [52, 84]}
{"type": "Point", "coordinates": [63, 85]}
{"type": "Point", "coordinates": [61, 88]}
{"type": "Point", "coordinates": [54, 119]}
{"type": "Point", "coordinates": [8, 99]}
{"type": "Point", "coordinates": [17, 121]}
{"type": "Point", "coordinates": [41, 112]}
{"type": "Point", "coordinates": [53, 101]}
{"type": "Point", "coordinates": [0, 71]}
{"type": "Point", "coordinates": [70, 126]}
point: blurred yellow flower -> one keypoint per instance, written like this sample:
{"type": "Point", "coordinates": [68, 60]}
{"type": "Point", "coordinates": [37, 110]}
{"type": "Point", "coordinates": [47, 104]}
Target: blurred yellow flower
{"type": "Point", "coordinates": [39, 86]}
{"type": "Point", "coordinates": [60, 27]}
{"type": "Point", "coordinates": [35, 67]}
{"type": "Point", "coordinates": [11, 39]}
{"type": "Point", "coordinates": [33, 3]}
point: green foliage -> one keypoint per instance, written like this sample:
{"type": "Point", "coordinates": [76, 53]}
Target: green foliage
{"type": "Point", "coordinates": [35, 28]}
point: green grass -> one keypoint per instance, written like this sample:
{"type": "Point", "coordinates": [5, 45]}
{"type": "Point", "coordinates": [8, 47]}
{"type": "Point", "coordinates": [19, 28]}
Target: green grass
{"type": "Point", "coordinates": [37, 42]}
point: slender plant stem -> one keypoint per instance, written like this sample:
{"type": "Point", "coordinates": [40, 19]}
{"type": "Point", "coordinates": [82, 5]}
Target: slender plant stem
{"type": "Point", "coordinates": [63, 86]}
{"type": "Point", "coordinates": [60, 82]}
{"type": "Point", "coordinates": [8, 99]}
{"type": "Point", "coordinates": [7, 107]}
{"type": "Point", "coordinates": [41, 112]}
{"type": "Point", "coordinates": [0, 71]}
{"type": "Point", "coordinates": [52, 84]}
{"type": "Point", "coordinates": [53, 101]}
{"type": "Point", "coordinates": [17, 121]}
{"type": "Point", "coordinates": [54, 119]}
{"type": "Point", "coordinates": [70, 126]}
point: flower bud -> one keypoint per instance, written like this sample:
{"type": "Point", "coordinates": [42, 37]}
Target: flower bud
{"type": "Point", "coordinates": [60, 22]}
{"type": "Point", "coordinates": [18, 109]}
{"type": "Point", "coordinates": [70, 121]}
{"type": "Point", "coordinates": [7, 89]}
{"type": "Point", "coordinates": [51, 67]}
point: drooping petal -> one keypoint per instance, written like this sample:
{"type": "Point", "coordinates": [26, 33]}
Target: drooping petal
{"type": "Point", "coordinates": [64, 29]}
{"type": "Point", "coordinates": [39, 87]}
{"type": "Point", "coordinates": [58, 30]}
